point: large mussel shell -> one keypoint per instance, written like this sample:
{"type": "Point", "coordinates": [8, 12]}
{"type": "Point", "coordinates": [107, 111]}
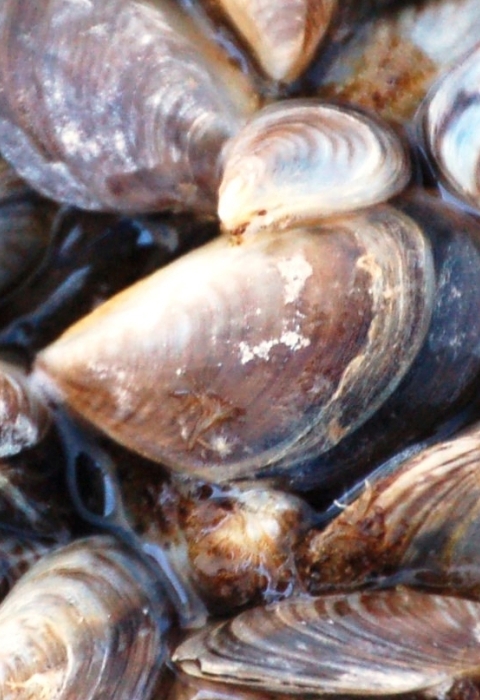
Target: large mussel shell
{"type": "Point", "coordinates": [275, 346]}
{"type": "Point", "coordinates": [84, 622]}
{"type": "Point", "coordinates": [363, 644]}
{"type": "Point", "coordinates": [84, 127]}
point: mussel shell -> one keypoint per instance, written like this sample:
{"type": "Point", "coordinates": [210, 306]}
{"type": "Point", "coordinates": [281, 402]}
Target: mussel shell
{"type": "Point", "coordinates": [25, 232]}
{"type": "Point", "coordinates": [282, 36]}
{"type": "Point", "coordinates": [240, 543]}
{"type": "Point", "coordinates": [84, 127]}
{"type": "Point", "coordinates": [443, 379]}
{"type": "Point", "coordinates": [24, 417]}
{"type": "Point", "coordinates": [368, 644]}
{"type": "Point", "coordinates": [449, 122]}
{"type": "Point", "coordinates": [299, 161]}
{"type": "Point", "coordinates": [84, 622]}
{"type": "Point", "coordinates": [270, 347]}
{"type": "Point", "coordinates": [419, 518]}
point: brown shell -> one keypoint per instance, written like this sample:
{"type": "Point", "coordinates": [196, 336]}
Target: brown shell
{"type": "Point", "coordinates": [420, 517]}
{"type": "Point", "coordinates": [199, 366]}
{"type": "Point", "coordinates": [362, 644]}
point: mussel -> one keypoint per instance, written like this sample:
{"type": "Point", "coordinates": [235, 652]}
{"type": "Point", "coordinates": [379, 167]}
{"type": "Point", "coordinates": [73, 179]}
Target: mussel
{"type": "Point", "coordinates": [234, 545]}
{"type": "Point", "coordinates": [87, 621]}
{"type": "Point", "coordinates": [363, 644]}
{"type": "Point", "coordinates": [417, 519]}
{"type": "Point", "coordinates": [283, 38]}
{"type": "Point", "coordinates": [24, 417]}
{"type": "Point", "coordinates": [298, 162]}
{"type": "Point", "coordinates": [83, 127]}
{"type": "Point", "coordinates": [449, 121]}
{"type": "Point", "coordinates": [274, 347]}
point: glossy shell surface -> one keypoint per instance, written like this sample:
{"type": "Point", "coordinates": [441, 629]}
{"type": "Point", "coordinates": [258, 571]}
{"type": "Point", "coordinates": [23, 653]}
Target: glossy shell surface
{"type": "Point", "coordinates": [210, 384]}
{"type": "Point", "coordinates": [301, 161]}
{"type": "Point", "coordinates": [374, 643]}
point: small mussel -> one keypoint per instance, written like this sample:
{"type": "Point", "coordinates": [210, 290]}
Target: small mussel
{"type": "Point", "coordinates": [276, 346]}
{"type": "Point", "coordinates": [86, 622]}
{"type": "Point", "coordinates": [373, 643]}
{"type": "Point", "coordinates": [233, 545]}
{"type": "Point", "coordinates": [282, 36]}
{"type": "Point", "coordinates": [418, 519]}
{"type": "Point", "coordinates": [450, 119]}
{"type": "Point", "coordinates": [300, 161]}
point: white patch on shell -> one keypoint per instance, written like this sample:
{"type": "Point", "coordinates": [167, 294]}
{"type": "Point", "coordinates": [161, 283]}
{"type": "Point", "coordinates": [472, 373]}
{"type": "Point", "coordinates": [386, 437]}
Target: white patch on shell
{"type": "Point", "coordinates": [295, 271]}
{"type": "Point", "coordinates": [293, 340]}
{"type": "Point", "coordinates": [221, 445]}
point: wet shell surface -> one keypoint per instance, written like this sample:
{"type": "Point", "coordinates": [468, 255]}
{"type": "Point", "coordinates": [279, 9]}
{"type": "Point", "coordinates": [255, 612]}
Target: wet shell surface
{"type": "Point", "coordinates": [282, 36]}
{"type": "Point", "coordinates": [276, 345]}
{"type": "Point", "coordinates": [24, 418]}
{"type": "Point", "coordinates": [86, 127]}
{"type": "Point", "coordinates": [420, 517]}
{"type": "Point", "coordinates": [450, 129]}
{"type": "Point", "coordinates": [374, 643]}
{"type": "Point", "coordinates": [300, 161]}
{"type": "Point", "coordinates": [84, 622]}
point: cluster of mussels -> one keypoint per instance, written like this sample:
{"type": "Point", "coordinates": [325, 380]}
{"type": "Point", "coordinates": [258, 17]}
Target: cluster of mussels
{"type": "Point", "coordinates": [240, 349]}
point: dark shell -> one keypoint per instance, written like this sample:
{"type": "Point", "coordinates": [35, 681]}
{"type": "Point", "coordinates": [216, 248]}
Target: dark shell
{"type": "Point", "coordinates": [443, 378]}
{"type": "Point", "coordinates": [91, 258]}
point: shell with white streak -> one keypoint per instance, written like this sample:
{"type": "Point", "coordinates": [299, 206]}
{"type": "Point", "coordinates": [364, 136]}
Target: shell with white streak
{"type": "Point", "coordinates": [236, 356]}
